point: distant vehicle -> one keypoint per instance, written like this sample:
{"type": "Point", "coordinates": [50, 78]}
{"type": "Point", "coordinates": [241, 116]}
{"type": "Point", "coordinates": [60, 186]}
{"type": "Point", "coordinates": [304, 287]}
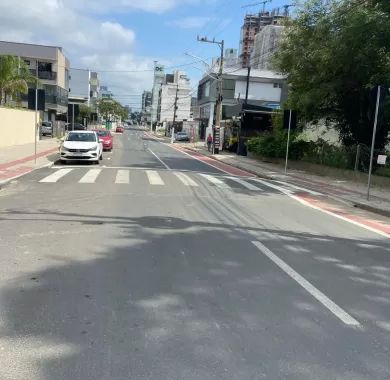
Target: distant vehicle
{"type": "Point", "coordinates": [119, 129]}
{"type": "Point", "coordinates": [106, 138]}
{"type": "Point", "coordinates": [75, 127]}
{"type": "Point", "coordinates": [47, 128]}
{"type": "Point", "coordinates": [182, 136]}
{"type": "Point", "coordinates": [81, 146]}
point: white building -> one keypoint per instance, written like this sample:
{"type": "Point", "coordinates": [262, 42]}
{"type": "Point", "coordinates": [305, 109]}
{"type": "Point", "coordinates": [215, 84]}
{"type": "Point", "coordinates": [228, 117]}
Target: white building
{"type": "Point", "coordinates": [83, 86]}
{"type": "Point", "coordinates": [158, 80]}
{"type": "Point", "coordinates": [176, 84]}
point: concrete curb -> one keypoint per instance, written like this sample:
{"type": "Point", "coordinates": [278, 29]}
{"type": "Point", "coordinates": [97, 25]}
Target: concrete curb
{"type": "Point", "coordinates": [355, 204]}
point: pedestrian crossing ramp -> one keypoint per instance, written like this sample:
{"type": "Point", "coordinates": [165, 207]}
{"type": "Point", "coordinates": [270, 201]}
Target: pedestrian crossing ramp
{"type": "Point", "coordinates": [163, 178]}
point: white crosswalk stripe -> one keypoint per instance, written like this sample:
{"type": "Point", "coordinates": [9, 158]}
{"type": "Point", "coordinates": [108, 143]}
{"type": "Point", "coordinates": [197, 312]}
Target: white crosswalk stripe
{"type": "Point", "coordinates": [56, 175]}
{"type": "Point", "coordinates": [90, 176]}
{"type": "Point", "coordinates": [216, 181]}
{"type": "Point", "coordinates": [122, 176]}
{"type": "Point", "coordinates": [312, 192]}
{"type": "Point", "coordinates": [245, 184]}
{"type": "Point", "coordinates": [154, 178]}
{"type": "Point", "coordinates": [185, 179]}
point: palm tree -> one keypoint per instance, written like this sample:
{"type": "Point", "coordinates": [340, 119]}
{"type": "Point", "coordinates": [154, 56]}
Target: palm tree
{"type": "Point", "coordinates": [14, 77]}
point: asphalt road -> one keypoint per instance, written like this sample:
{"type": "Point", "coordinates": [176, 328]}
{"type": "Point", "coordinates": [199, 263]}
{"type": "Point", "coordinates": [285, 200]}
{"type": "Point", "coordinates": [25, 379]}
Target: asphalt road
{"type": "Point", "coordinates": [154, 265]}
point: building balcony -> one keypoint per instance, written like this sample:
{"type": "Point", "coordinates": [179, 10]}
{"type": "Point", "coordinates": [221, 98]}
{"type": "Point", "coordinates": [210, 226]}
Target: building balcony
{"type": "Point", "coordinates": [46, 75]}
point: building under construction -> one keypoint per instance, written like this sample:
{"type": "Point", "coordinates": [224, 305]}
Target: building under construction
{"type": "Point", "coordinates": [252, 26]}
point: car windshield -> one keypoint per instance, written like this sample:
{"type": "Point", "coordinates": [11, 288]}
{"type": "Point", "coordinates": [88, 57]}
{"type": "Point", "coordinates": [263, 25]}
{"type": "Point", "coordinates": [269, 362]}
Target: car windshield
{"type": "Point", "coordinates": [103, 133]}
{"type": "Point", "coordinates": [87, 137]}
{"type": "Point", "coordinates": [182, 133]}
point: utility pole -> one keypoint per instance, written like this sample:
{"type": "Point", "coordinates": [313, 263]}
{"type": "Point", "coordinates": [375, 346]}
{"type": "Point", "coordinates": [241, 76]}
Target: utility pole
{"type": "Point", "coordinates": [218, 113]}
{"type": "Point", "coordinates": [174, 115]}
{"type": "Point", "coordinates": [36, 111]}
{"type": "Point", "coordinates": [378, 98]}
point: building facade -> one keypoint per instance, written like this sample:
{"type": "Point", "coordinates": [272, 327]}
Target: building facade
{"type": "Point", "coordinates": [146, 100]}
{"type": "Point", "coordinates": [158, 80]}
{"type": "Point", "coordinates": [83, 86]}
{"type": "Point", "coordinates": [254, 24]}
{"type": "Point", "coordinates": [51, 66]}
{"type": "Point", "coordinates": [248, 32]}
{"type": "Point", "coordinates": [266, 89]}
{"type": "Point", "coordinates": [175, 85]}
{"type": "Point", "coordinates": [265, 46]}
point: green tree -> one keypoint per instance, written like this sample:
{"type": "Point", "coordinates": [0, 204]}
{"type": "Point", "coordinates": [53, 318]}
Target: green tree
{"type": "Point", "coordinates": [14, 77]}
{"type": "Point", "coordinates": [333, 53]}
{"type": "Point", "coordinates": [85, 111]}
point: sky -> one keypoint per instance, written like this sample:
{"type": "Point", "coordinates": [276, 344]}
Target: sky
{"type": "Point", "coordinates": [120, 39]}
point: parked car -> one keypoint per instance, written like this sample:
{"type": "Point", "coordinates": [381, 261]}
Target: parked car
{"type": "Point", "coordinates": [47, 128]}
{"type": "Point", "coordinates": [75, 127]}
{"type": "Point", "coordinates": [81, 146]}
{"type": "Point", "coordinates": [119, 129]}
{"type": "Point", "coordinates": [106, 138]}
{"type": "Point", "coordinates": [182, 136]}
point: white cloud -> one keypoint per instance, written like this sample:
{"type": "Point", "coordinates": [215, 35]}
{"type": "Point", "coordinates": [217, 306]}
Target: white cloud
{"type": "Point", "coordinates": [191, 22]}
{"type": "Point", "coordinates": [89, 38]}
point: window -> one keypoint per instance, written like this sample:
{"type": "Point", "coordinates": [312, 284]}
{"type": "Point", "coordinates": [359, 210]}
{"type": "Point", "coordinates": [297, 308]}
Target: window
{"type": "Point", "coordinates": [276, 85]}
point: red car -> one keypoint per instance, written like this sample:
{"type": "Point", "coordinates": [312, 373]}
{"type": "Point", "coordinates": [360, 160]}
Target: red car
{"type": "Point", "coordinates": [106, 138]}
{"type": "Point", "coordinates": [119, 129]}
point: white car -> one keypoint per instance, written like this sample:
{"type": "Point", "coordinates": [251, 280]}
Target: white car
{"type": "Point", "coordinates": [81, 146]}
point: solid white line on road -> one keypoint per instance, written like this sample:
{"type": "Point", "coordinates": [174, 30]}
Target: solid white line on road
{"type": "Point", "coordinates": [245, 184]}
{"type": "Point", "coordinates": [312, 192]}
{"type": "Point", "coordinates": [216, 181]}
{"type": "Point", "coordinates": [155, 155]}
{"type": "Point", "coordinates": [317, 294]}
{"type": "Point", "coordinates": [90, 176]}
{"type": "Point", "coordinates": [185, 179]}
{"type": "Point", "coordinates": [122, 176]}
{"type": "Point", "coordinates": [154, 178]}
{"type": "Point", "coordinates": [56, 176]}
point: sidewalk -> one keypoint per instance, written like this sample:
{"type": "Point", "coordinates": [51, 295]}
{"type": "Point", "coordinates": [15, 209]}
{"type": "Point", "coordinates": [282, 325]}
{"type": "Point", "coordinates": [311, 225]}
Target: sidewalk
{"type": "Point", "coordinates": [352, 192]}
{"type": "Point", "coordinates": [19, 159]}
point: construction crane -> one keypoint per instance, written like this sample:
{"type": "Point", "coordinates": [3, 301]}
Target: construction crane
{"type": "Point", "coordinates": [286, 6]}
{"type": "Point", "coordinates": [264, 2]}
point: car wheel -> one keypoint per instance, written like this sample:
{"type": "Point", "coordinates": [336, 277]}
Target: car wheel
{"type": "Point", "coordinates": [101, 157]}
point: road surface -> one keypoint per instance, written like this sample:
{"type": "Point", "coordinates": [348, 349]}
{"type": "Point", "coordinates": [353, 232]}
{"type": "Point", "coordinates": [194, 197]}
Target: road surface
{"type": "Point", "coordinates": [156, 265]}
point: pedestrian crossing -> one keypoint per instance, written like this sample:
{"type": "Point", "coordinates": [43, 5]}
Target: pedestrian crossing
{"type": "Point", "coordinates": [157, 179]}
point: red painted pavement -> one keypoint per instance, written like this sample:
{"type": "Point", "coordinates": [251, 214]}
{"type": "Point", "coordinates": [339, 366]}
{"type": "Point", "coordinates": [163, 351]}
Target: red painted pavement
{"type": "Point", "coordinates": [27, 159]}
{"type": "Point", "coordinates": [380, 226]}
{"type": "Point", "coordinates": [11, 173]}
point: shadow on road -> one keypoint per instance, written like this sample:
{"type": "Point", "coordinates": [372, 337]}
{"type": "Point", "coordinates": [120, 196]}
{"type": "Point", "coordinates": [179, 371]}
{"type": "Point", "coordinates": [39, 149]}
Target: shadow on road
{"type": "Point", "coordinates": [176, 299]}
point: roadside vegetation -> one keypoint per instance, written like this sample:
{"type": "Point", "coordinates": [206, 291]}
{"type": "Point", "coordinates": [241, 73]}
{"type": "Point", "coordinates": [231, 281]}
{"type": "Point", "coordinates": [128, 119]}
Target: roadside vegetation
{"type": "Point", "coordinates": [333, 53]}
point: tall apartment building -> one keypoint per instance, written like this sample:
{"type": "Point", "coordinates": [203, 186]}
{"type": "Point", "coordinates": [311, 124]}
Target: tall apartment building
{"type": "Point", "coordinates": [176, 84]}
{"type": "Point", "coordinates": [249, 30]}
{"type": "Point", "coordinates": [158, 80]}
{"type": "Point", "coordinates": [253, 24]}
{"type": "Point", "coordinates": [51, 66]}
{"type": "Point", "coordinates": [266, 44]}
{"type": "Point", "coordinates": [146, 100]}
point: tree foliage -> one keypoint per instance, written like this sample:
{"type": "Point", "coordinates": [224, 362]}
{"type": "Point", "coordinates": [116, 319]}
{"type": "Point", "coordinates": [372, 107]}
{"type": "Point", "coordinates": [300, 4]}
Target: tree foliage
{"type": "Point", "coordinates": [111, 109]}
{"type": "Point", "coordinates": [14, 77]}
{"type": "Point", "coordinates": [333, 53]}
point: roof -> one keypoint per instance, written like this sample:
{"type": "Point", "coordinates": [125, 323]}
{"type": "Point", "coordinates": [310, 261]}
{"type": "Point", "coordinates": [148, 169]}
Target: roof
{"type": "Point", "coordinates": [30, 44]}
